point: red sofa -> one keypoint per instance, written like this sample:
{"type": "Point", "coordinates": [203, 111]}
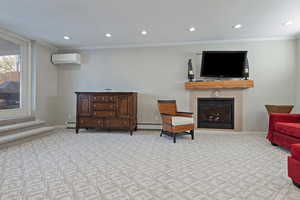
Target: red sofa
{"type": "Point", "coordinates": [294, 164]}
{"type": "Point", "coordinates": [284, 129]}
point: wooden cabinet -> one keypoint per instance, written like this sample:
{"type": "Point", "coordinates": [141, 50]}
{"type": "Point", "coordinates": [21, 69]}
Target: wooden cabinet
{"type": "Point", "coordinates": [107, 110]}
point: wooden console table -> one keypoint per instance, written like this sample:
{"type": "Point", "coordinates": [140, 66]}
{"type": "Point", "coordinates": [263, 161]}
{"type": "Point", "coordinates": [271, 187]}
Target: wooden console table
{"type": "Point", "coordinates": [225, 84]}
{"type": "Point", "coordinates": [107, 110]}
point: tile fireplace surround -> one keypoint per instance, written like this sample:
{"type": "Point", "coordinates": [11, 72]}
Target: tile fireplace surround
{"type": "Point", "coordinates": [237, 94]}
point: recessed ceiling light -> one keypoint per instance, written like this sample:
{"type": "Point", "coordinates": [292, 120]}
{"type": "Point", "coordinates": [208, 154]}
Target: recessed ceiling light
{"type": "Point", "coordinates": [192, 29]}
{"type": "Point", "coordinates": [287, 23]}
{"type": "Point", "coordinates": [67, 37]}
{"type": "Point", "coordinates": [144, 32]}
{"type": "Point", "coordinates": [108, 35]}
{"type": "Point", "coordinates": [238, 26]}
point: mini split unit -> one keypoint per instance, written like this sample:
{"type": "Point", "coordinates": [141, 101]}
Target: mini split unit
{"type": "Point", "coordinates": [66, 58]}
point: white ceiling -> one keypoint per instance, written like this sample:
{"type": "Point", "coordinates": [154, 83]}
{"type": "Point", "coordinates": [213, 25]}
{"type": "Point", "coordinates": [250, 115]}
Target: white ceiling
{"type": "Point", "coordinates": [166, 21]}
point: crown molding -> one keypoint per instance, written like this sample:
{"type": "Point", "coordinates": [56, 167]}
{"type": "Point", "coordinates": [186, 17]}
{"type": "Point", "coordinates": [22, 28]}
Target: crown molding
{"type": "Point", "coordinates": [46, 44]}
{"type": "Point", "coordinates": [100, 47]}
{"type": "Point", "coordinates": [10, 34]}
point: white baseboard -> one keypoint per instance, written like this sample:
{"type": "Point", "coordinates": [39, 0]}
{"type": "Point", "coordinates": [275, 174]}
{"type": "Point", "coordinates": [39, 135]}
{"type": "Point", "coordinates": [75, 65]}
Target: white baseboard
{"type": "Point", "coordinates": [150, 126]}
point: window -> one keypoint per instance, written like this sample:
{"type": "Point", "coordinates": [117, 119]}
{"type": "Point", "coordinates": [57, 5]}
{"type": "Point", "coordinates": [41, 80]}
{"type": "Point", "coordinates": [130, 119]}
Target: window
{"type": "Point", "coordinates": [15, 84]}
{"type": "Point", "coordinates": [9, 81]}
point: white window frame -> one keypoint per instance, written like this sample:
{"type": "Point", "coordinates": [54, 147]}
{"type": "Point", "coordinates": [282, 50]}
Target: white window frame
{"type": "Point", "coordinates": [25, 82]}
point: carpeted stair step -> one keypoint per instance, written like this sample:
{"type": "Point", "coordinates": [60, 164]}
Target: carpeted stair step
{"type": "Point", "coordinates": [4, 122]}
{"type": "Point", "coordinates": [18, 127]}
{"type": "Point", "coordinates": [20, 135]}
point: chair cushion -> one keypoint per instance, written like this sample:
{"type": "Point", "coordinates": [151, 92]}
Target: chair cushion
{"type": "Point", "coordinates": [176, 121]}
{"type": "Point", "coordinates": [291, 129]}
{"type": "Point", "coordinates": [295, 151]}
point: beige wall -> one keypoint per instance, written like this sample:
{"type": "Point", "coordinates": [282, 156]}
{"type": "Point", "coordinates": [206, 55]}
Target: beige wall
{"type": "Point", "coordinates": [297, 108]}
{"type": "Point", "coordinates": [46, 84]}
{"type": "Point", "coordinates": [160, 72]}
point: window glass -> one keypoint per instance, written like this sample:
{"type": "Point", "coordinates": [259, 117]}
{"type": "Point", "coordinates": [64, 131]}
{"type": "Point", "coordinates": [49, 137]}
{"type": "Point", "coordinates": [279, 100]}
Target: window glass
{"type": "Point", "coordinates": [10, 75]}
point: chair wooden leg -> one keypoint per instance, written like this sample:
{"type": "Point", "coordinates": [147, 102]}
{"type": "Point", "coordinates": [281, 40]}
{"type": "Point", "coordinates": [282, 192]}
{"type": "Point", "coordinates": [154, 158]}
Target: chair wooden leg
{"type": "Point", "coordinates": [174, 137]}
{"type": "Point", "coordinates": [192, 134]}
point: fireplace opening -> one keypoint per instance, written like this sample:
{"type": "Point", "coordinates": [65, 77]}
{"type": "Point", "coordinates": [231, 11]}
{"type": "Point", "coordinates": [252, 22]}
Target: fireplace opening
{"type": "Point", "coordinates": [216, 113]}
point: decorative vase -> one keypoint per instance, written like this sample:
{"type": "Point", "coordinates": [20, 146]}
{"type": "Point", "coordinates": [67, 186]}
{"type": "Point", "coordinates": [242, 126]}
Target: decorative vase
{"type": "Point", "coordinates": [246, 69]}
{"type": "Point", "coordinates": [190, 70]}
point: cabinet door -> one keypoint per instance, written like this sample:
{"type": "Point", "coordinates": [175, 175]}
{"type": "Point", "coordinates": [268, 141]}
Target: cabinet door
{"type": "Point", "coordinates": [84, 106]}
{"type": "Point", "coordinates": [124, 106]}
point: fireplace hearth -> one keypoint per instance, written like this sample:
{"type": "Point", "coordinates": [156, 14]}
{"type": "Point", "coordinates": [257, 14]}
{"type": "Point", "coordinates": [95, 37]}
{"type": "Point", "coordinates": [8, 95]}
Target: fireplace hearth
{"type": "Point", "coordinates": [217, 113]}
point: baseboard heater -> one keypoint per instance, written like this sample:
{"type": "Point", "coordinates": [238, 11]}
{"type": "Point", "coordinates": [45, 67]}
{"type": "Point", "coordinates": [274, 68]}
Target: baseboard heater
{"type": "Point", "coordinates": [71, 125]}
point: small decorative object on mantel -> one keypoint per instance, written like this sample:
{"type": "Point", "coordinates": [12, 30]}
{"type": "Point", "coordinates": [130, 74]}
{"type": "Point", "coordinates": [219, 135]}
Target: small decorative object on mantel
{"type": "Point", "coordinates": [190, 70]}
{"type": "Point", "coordinates": [246, 69]}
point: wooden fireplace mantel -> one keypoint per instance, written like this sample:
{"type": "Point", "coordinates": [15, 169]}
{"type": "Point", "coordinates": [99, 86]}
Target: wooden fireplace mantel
{"type": "Point", "coordinates": [224, 84]}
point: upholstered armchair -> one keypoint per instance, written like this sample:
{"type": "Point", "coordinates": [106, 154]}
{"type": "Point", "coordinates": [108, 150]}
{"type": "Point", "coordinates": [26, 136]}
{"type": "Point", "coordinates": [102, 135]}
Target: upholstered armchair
{"type": "Point", "coordinates": [175, 123]}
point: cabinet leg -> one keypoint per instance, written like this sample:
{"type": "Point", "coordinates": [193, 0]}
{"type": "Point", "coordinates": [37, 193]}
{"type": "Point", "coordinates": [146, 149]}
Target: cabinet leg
{"type": "Point", "coordinates": [174, 137]}
{"type": "Point", "coordinates": [77, 130]}
{"type": "Point", "coordinates": [192, 134]}
{"type": "Point", "coordinates": [131, 132]}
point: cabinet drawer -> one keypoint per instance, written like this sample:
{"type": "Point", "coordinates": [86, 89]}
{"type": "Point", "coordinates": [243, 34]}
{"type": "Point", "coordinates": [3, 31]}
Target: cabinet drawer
{"type": "Point", "coordinates": [103, 106]}
{"type": "Point", "coordinates": [104, 113]}
{"type": "Point", "coordinates": [103, 98]}
{"type": "Point", "coordinates": [117, 123]}
{"type": "Point", "coordinates": [91, 123]}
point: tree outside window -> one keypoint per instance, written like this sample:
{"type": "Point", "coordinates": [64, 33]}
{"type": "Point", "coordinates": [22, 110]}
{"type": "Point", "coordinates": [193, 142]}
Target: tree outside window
{"type": "Point", "coordinates": [9, 82]}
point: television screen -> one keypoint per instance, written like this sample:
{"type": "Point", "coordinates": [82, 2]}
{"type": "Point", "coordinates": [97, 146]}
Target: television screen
{"type": "Point", "coordinates": [227, 64]}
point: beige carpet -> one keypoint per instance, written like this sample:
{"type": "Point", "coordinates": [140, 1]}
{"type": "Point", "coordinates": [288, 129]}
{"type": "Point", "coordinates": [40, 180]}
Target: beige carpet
{"type": "Point", "coordinates": [145, 166]}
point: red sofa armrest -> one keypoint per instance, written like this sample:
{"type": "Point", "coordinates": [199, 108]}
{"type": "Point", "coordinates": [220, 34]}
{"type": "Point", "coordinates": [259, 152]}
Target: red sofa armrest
{"type": "Point", "coordinates": [284, 117]}
{"type": "Point", "coordinates": [281, 117]}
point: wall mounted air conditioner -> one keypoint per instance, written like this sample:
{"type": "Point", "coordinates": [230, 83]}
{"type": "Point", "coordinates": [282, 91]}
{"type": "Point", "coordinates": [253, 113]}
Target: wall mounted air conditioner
{"type": "Point", "coordinates": [66, 58]}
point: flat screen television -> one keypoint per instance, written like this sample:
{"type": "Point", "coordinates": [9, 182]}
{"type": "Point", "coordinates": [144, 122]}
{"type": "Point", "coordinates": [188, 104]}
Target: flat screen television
{"type": "Point", "coordinates": [223, 64]}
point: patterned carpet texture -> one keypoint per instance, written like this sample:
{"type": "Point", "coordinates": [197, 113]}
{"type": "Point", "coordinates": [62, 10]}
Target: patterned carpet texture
{"type": "Point", "coordinates": [116, 166]}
